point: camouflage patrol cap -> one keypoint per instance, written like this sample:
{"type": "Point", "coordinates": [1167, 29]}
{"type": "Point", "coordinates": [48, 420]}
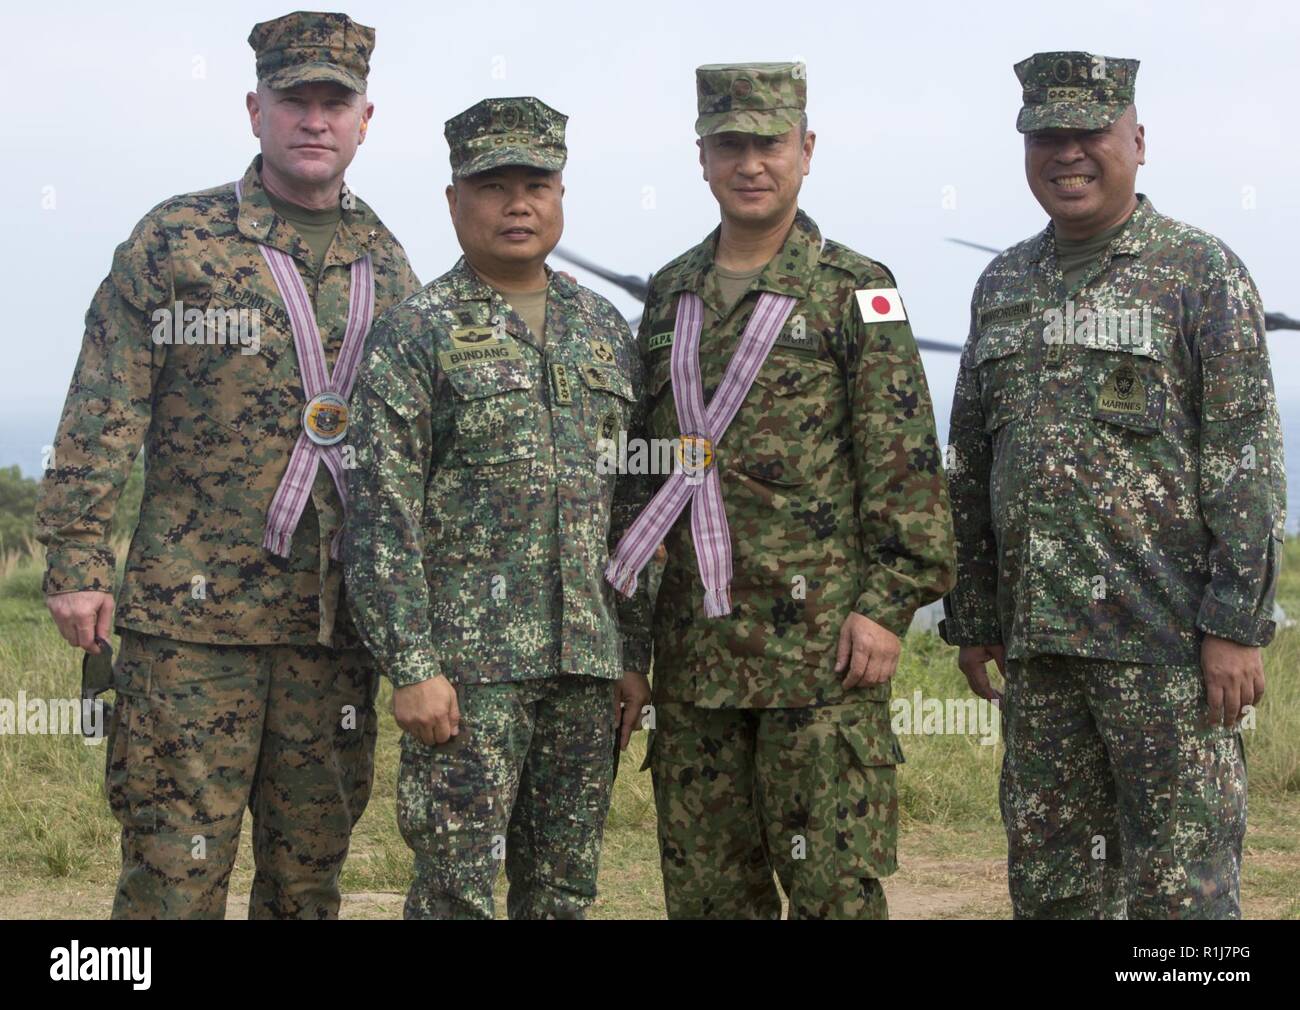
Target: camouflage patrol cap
{"type": "Point", "coordinates": [1074, 91]}
{"type": "Point", "coordinates": [306, 46]}
{"type": "Point", "coordinates": [506, 131]}
{"type": "Point", "coordinates": [763, 98]}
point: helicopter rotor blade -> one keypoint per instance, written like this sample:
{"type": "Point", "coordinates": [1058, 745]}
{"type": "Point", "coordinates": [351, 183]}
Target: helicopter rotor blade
{"type": "Point", "coordinates": [975, 245]}
{"type": "Point", "coordinates": [926, 344]}
{"type": "Point", "coordinates": [637, 287]}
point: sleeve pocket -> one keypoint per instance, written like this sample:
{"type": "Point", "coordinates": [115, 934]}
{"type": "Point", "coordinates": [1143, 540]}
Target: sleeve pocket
{"type": "Point", "coordinates": [1232, 384]}
{"type": "Point", "coordinates": [403, 397]}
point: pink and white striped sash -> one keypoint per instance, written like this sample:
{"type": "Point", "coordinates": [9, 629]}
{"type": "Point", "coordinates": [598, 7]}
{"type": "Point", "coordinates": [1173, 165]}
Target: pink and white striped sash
{"type": "Point", "coordinates": [295, 487]}
{"type": "Point", "coordinates": [709, 527]}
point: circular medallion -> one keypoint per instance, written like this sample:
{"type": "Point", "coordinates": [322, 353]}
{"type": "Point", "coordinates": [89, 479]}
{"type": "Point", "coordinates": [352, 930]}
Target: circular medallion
{"type": "Point", "coordinates": [325, 418]}
{"type": "Point", "coordinates": [694, 453]}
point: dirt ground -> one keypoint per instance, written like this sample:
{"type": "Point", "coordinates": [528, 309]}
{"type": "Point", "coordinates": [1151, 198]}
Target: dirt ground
{"type": "Point", "coordinates": [922, 889]}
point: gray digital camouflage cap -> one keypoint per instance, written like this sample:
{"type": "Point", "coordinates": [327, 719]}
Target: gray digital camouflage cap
{"type": "Point", "coordinates": [763, 98]}
{"type": "Point", "coordinates": [506, 131]}
{"type": "Point", "coordinates": [1074, 91]}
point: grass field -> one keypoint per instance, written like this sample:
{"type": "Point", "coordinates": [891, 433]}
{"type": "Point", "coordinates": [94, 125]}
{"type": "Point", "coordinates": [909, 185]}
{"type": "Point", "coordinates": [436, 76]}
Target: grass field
{"type": "Point", "coordinates": [59, 843]}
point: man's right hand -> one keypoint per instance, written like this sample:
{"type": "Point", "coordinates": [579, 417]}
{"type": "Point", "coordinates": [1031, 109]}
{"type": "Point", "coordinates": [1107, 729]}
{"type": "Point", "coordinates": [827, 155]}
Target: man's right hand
{"type": "Point", "coordinates": [82, 617]}
{"type": "Point", "coordinates": [971, 660]}
{"type": "Point", "coordinates": [428, 710]}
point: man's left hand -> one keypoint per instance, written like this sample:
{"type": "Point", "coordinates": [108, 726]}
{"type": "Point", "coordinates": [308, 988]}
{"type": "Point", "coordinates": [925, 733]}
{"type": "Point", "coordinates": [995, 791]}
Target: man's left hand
{"type": "Point", "coordinates": [1234, 678]}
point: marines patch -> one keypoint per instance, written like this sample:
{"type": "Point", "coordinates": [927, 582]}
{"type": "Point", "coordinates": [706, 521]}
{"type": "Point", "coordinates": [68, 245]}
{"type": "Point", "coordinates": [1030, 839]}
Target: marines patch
{"type": "Point", "coordinates": [1123, 392]}
{"type": "Point", "coordinates": [609, 425]}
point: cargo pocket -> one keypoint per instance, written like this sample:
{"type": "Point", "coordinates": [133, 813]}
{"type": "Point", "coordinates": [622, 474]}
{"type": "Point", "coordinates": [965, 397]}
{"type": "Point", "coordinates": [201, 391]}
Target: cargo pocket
{"type": "Point", "coordinates": [444, 802]}
{"type": "Point", "coordinates": [130, 773]}
{"type": "Point", "coordinates": [865, 793]}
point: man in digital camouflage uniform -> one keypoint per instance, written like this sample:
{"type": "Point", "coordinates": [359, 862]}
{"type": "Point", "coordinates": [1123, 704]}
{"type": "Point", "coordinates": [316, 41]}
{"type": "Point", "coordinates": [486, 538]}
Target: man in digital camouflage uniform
{"type": "Point", "coordinates": [787, 587]}
{"type": "Point", "coordinates": [240, 681]}
{"type": "Point", "coordinates": [1118, 492]}
{"type": "Point", "coordinates": [478, 529]}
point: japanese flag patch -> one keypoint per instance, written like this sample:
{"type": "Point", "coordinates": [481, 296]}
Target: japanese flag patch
{"type": "Point", "coordinates": [881, 305]}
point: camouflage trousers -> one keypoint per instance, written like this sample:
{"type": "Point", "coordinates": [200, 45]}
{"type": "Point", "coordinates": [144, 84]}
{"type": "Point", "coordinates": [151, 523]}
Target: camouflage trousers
{"type": "Point", "coordinates": [1116, 795]}
{"type": "Point", "coordinates": [526, 783]}
{"type": "Point", "coordinates": [806, 792]}
{"type": "Point", "coordinates": [198, 733]}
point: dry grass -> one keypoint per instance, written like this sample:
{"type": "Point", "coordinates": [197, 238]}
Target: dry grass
{"type": "Point", "coordinates": [58, 841]}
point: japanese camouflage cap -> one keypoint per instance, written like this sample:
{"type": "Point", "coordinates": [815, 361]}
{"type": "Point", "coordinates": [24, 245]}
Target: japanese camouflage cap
{"type": "Point", "coordinates": [305, 46]}
{"type": "Point", "coordinates": [1074, 91]}
{"type": "Point", "coordinates": [506, 131]}
{"type": "Point", "coordinates": [763, 98]}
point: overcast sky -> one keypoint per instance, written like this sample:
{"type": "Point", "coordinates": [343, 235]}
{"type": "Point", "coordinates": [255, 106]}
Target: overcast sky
{"type": "Point", "coordinates": [914, 106]}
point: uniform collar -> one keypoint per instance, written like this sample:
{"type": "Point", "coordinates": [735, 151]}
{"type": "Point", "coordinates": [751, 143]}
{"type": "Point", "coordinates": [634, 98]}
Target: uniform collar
{"type": "Point", "coordinates": [1129, 242]}
{"type": "Point", "coordinates": [467, 286]}
{"type": "Point", "coordinates": [358, 230]}
{"type": "Point", "coordinates": [789, 272]}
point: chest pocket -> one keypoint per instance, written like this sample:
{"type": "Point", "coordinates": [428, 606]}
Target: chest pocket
{"type": "Point", "coordinates": [771, 437]}
{"type": "Point", "coordinates": [1001, 357]}
{"type": "Point", "coordinates": [1125, 386]}
{"type": "Point", "coordinates": [496, 414]}
{"type": "Point", "coordinates": [607, 405]}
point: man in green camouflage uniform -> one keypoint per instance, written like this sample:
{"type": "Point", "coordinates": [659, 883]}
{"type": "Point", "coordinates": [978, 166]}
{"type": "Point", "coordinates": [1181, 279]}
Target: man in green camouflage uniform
{"type": "Point", "coordinates": [1118, 495]}
{"type": "Point", "coordinates": [772, 747]}
{"type": "Point", "coordinates": [236, 685]}
{"type": "Point", "coordinates": [478, 527]}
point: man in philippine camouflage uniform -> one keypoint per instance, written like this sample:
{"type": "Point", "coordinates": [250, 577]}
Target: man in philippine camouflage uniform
{"type": "Point", "coordinates": [1118, 494]}
{"type": "Point", "coordinates": [480, 516]}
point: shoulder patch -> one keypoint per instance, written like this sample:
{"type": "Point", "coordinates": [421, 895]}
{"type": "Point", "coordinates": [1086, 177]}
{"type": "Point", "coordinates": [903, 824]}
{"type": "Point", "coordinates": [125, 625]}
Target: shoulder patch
{"type": "Point", "coordinates": [881, 305]}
